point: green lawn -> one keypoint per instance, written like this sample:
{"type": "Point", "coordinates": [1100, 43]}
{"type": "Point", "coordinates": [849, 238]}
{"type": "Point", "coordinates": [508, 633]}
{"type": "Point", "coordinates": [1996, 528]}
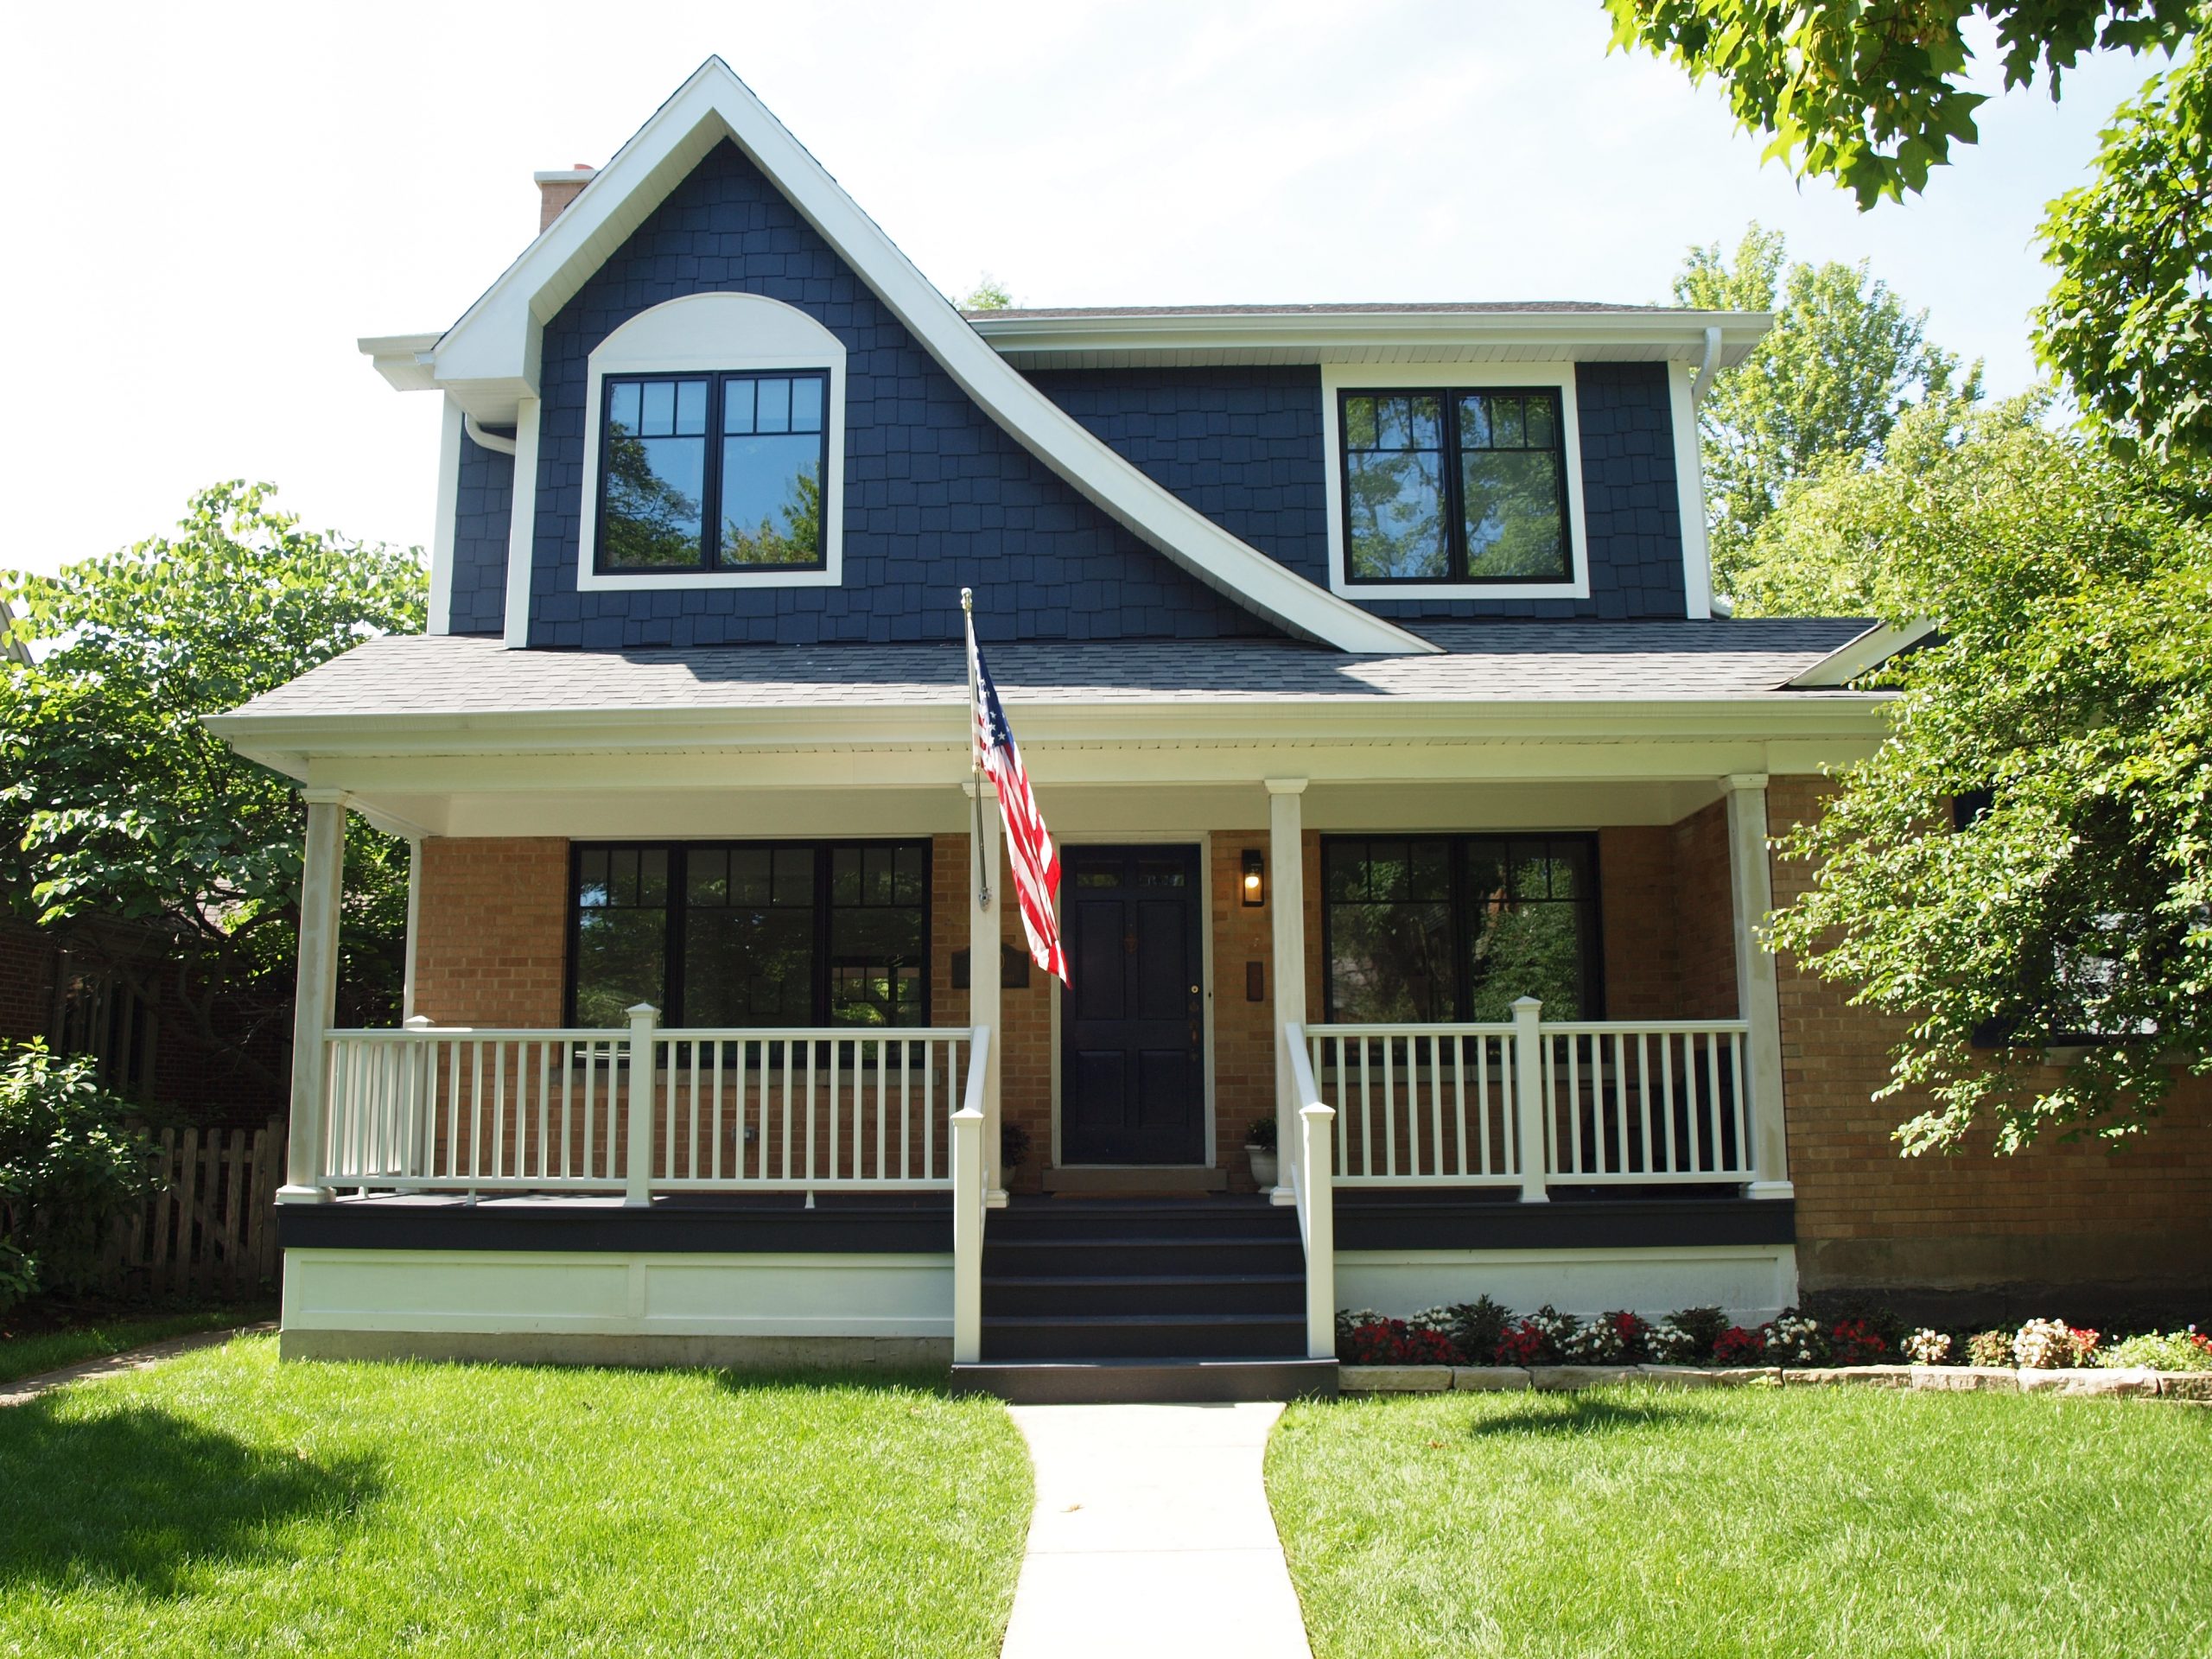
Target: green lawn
{"type": "Point", "coordinates": [30, 1352]}
{"type": "Point", "coordinates": [1751, 1521]}
{"type": "Point", "coordinates": [224, 1503]}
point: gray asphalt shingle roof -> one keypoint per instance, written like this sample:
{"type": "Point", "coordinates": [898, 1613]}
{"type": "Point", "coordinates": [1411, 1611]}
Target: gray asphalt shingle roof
{"type": "Point", "coordinates": [1481, 663]}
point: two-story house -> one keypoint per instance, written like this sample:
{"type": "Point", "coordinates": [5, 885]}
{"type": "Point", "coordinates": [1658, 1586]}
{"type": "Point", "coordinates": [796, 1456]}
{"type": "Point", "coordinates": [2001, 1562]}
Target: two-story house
{"type": "Point", "coordinates": [1410, 796]}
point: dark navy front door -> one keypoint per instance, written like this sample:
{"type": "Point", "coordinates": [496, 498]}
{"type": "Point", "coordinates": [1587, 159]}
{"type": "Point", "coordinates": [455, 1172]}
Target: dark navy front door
{"type": "Point", "coordinates": [1132, 1056]}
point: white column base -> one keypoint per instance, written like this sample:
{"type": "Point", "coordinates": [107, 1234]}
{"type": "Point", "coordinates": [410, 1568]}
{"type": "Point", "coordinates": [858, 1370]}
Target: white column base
{"type": "Point", "coordinates": [1770, 1190]}
{"type": "Point", "coordinates": [290, 1194]}
{"type": "Point", "coordinates": [1282, 1195]}
{"type": "Point", "coordinates": [994, 1198]}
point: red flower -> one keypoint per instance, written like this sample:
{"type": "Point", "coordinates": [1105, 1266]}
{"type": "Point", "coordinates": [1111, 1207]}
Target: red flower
{"type": "Point", "coordinates": [1428, 1348]}
{"type": "Point", "coordinates": [1737, 1347]}
{"type": "Point", "coordinates": [1524, 1345]}
{"type": "Point", "coordinates": [1854, 1342]}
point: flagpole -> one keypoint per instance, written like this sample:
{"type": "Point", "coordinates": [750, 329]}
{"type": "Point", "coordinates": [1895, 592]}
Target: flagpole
{"type": "Point", "coordinates": [974, 758]}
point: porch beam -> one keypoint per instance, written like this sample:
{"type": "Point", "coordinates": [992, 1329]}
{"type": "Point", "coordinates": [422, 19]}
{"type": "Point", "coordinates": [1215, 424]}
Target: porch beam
{"type": "Point", "coordinates": [1287, 907]}
{"type": "Point", "coordinates": [1751, 889]}
{"type": "Point", "coordinates": [321, 884]}
{"type": "Point", "coordinates": [983, 1000]}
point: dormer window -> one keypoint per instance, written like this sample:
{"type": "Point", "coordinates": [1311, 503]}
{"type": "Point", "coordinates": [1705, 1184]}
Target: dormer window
{"type": "Point", "coordinates": [713, 472]}
{"type": "Point", "coordinates": [1453, 486]}
{"type": "Point", "coordinates": [1454, 491]}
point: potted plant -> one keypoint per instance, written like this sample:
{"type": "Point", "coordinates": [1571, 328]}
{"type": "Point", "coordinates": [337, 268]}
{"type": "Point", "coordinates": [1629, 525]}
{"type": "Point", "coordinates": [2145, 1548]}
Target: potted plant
{"type": "Point", "coordinates": [1013, 1148]}
{"type": "Point", "coordinates": [1260, 1148]}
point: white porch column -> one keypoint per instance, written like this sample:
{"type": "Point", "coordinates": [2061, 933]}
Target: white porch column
{"type": "Point", "coordinates": [321, 882]}
{"type": "Point", "coordinates": [983, 1001]}
{"type": "Point", "coordinates": [1750, 887]}
{"type": "Point", "coordinates": [1287, 907]}
{"type": "Point", "coordinates": [414, 918]}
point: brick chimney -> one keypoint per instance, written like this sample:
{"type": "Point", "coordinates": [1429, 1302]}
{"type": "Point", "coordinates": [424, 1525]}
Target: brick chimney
{"type": "Point", "coordinates": [556, 190]}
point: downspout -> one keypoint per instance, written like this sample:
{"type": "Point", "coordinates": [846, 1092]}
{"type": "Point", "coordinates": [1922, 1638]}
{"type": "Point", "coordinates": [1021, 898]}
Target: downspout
{"type": "Point", "coordinates": [497, 445]}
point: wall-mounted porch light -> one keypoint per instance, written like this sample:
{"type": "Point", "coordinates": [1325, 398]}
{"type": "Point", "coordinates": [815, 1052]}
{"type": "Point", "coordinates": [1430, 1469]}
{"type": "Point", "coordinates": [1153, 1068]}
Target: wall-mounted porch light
{"type": "Point", "coordinates": [1255, 877]}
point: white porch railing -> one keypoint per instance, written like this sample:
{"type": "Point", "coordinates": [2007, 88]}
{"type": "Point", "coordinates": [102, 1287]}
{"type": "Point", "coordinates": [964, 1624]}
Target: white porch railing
{"type": "Point", "coordinates": [642, 1110]}
{"type": "Point", "coordinates": [1578, 1102]}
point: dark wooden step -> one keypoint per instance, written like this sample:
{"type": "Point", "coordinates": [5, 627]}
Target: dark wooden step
{"type": "Point", "coordinates": [1050, 1295]}
{"type": "Point", "coordinates": [1096, 1257]}
{"type": "Point", "coordinates": [1121, 1381]}
{"type": "Point", "coordinates": [1132, 1181]}
{"type": "Point", "coordinates": [1144, 1336]}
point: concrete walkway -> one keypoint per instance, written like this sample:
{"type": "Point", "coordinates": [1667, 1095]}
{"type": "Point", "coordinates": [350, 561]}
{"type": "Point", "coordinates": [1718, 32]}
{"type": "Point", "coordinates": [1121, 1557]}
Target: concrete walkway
{"type": "Point", "coordinates": [1152, 1537]}
{"type": "Point", "coordinates": [25, 1388]}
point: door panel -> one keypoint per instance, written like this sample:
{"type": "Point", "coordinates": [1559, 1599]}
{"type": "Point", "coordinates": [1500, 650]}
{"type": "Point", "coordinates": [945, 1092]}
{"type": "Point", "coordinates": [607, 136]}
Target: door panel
{"type": "Point", "coordinates": [1132, 1056]}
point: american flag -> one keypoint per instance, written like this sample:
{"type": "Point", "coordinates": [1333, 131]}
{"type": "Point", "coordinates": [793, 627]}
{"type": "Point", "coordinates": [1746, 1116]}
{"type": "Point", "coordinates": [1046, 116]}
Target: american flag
{"type": "Point", "coordinates": [1029, 844]}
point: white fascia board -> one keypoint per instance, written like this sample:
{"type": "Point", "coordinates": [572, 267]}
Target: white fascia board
{"type": "Point", "coordinates": [402, 359]}
{"type": "Point", "coordinates": [1149, 727]}
{"type": "Point", "coordinates": [495, 345]}
{"type": "Point", "coordinates": [1585, 336]}
{"type": "Point", "coordinates": [1860, 654]}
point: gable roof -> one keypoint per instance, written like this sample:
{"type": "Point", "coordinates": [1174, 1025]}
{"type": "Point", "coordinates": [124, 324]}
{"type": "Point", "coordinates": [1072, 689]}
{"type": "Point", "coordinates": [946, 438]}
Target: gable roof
{"type": "Point", "coordinates": [489, 361]}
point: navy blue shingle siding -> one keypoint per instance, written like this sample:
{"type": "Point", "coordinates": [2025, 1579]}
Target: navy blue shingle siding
{"type": "Point", "coordinates": [935, 494]}
{"type": "Point", "coordinates": [1244, 447]}
{"type": "Point", "coordinates": [486, 497]}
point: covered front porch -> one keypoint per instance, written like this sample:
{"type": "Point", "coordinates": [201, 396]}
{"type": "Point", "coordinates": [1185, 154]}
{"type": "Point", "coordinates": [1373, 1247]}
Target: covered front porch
{"type": "Point", "coordinates": [713, 1040]}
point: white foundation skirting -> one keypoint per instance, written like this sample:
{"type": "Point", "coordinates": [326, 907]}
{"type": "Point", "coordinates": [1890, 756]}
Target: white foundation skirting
{"type": "Point", "coordinates": [1751, 1282]}
{"type": "Point", "coordinates": [618, 1293]}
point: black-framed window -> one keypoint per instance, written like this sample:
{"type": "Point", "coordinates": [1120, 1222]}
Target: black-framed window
{"type": "Point", "coordinates": [1451, 484]}
{"type": "Point", "coordinates": [713, 472]}
{"type": "Point", "coordinates": [750, 933]}
{"type": "Point", "coordinates": [1430, 928]}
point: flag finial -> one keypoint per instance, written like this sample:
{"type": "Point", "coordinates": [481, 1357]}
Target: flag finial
{"type": "Point", "coordinates": [968, 600]}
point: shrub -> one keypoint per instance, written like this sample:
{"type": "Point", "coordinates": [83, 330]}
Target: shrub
{"type": "Point", "coordinates": [1379, 1342]}
{"type": "Point", "coordinates": [1792, 1339]}
{"type": "Point", "coordinates": [68, 1167]}
{"type": "Point", "coordinates": [1617, 1338]}
{"type": "Point", "coordinates": [1262, 1133]}
{"type": "Point", "coordinates": [1737, 1347]}
{"type": "Point", "coordinates": [1524, 1345]}
{"type": "Point", "coordinates": [2176, 1350]}
{"type": "Point", "coordinates": [1428, 1348]}
{"type": "Point", "coordinates": [1477, 1326]}
{"type": "Point", "coordinates": [1855, 1342]}
{"type": "Point", "coordinates": [1350, 1319]}
{"type": "Point", "coordinates": [2051, 1344]}
{"type": "Point", "coordinates": [1685, 1337]}
{"type": "Point", "coordinates": [1438, 1319]}
{"type": "Point", "coordinates": [1990, 1347]}
{"type": "Point", "coordinates": [1927, 1347]}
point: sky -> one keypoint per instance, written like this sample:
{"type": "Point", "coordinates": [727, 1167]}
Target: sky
{"type": "Point", "coordinates": [210, 204]}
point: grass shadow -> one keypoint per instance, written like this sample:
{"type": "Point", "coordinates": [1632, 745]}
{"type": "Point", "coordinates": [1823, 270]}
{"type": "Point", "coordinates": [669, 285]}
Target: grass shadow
{"type": "Point", "coordinates": [1539, 1415]}
{"type": "Point", "coordinates": [140, 1496]}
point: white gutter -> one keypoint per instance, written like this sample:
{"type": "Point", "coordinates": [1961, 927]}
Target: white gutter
{"type": "Point", "coordinates": [483, 438]}
{"type": "Point", "coordinates": [1709, 366]}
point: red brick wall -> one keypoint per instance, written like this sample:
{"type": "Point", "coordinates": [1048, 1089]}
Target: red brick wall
{"type": "Point", "coordinates": [1705, 918]}
{"type": "Point", "coordinates": [1025, 1039]}
{"type": "Point", "coordinates": [491, 937]}
{"type": "Point", "coordinates": [2063, 1221]}
{"type": "Point", "coordinates": [1636, 887]}
{"type": "Point", "coordinates": [1243, 1031]}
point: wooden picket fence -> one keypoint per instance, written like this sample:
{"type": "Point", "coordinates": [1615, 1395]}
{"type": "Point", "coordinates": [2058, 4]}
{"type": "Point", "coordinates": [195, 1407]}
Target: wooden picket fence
{"type": "Point", "coordinates": [212, 1226]}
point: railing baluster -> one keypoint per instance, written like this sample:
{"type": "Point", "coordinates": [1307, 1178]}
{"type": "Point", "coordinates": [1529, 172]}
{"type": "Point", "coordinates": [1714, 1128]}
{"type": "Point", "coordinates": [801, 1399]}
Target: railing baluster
{"type": "Point", "coordinates": [905, 1111]}
{"type": "Point", "coordinates": [1739, 1098]}
{"type": "Point", "coordinates": [1575, 1100]}
{"type": "Point", "coordinates": [1459, 1102]}
{"type": "Point", "coordinates": [1366, 1115]}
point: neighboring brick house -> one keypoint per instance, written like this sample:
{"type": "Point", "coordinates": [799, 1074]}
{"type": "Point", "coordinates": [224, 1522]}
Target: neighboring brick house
{"type": "Point", "coordinates": [1410, 797]}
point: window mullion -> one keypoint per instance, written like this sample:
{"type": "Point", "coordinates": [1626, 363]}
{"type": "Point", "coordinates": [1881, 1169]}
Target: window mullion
{"type": "Point", "coordinates": [1455, 517]}
{"type": "Point", "coordinates": [1463, 963]}
{"type": "Point", "coordinates": [711, 476]}
{"type": "Point", "coordinates": [822, 898]}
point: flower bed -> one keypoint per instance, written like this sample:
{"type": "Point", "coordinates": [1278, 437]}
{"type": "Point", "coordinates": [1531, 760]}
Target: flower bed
{"type": "Point", "coordinates": [1483, 1345]}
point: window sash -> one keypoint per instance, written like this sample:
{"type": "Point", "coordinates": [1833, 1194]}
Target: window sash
{"type": "Point", "coordinates": [881, 975]}
{"type": "Point", "coordinates": [1454, 912]}
{"type": "Point", "coordinates": [1455, 449]}
{"type": "Point", "coordinates": [733, 396]}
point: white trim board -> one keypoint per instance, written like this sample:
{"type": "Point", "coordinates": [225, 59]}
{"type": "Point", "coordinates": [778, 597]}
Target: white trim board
{"type": "Point", "coordinates": [444, 527]}
{"type": "Point", "coordinates": [489, 361]}
{"type": "Point", "coordinates": [1339, 377]}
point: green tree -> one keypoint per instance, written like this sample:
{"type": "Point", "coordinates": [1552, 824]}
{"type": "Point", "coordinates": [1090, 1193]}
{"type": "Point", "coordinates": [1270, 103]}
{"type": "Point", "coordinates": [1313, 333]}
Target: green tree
{"type": "Point", "coordinates": [1875, 94]}
{"type": "Point", "coordinates": [1844, 359]}
{"type": "Point", "coordinates": [118, 803]}
{"type": "Point", "coordinates": [2022, 865]}
{"type": "Point", "coordinates": [990, 294]}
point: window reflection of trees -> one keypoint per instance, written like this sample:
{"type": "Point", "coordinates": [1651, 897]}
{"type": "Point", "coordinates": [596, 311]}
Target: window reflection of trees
{"type": "Point", "coordinates": [1443, 928]}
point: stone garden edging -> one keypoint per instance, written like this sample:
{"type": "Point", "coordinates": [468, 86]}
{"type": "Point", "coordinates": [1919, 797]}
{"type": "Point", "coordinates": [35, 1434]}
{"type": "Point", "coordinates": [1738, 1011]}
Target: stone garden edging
{"type": "Point", "coordinates": [2115, 1383]}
